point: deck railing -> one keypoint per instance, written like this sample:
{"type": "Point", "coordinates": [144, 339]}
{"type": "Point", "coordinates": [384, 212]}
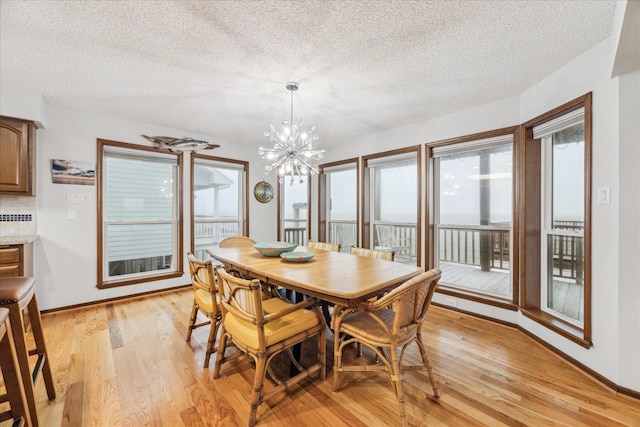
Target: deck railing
{"type": "Point", "coordinates": [464, 245]}
{"type": "Point", "coordinates": [297, 235]}
{"type": "Point", "coordinates": [208, 233]}
{"type": "Point", "coordinates": [567, 251]}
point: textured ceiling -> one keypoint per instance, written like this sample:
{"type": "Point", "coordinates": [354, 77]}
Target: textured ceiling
{"type": "Point", "coordinates": [220, 68]}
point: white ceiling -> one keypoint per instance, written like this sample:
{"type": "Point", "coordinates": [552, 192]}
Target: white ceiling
{"type": "Point", "coordinates": [220, 68]}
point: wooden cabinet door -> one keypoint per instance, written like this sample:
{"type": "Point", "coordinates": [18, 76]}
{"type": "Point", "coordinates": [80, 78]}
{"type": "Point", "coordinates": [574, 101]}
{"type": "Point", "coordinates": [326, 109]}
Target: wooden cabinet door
{"type": "Point", "coordinates": [11, 261]}
{"type": "Point", "coordinates": [16, 156]}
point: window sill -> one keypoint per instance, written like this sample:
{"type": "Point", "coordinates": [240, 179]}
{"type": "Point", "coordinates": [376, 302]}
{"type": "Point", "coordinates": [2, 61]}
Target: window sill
{"type": "Point", "coordinates": [483, 299]}
{"type": "Point", "coordinates": [138, 280]}
{"type": "Point", "coordinates": [564, 329]}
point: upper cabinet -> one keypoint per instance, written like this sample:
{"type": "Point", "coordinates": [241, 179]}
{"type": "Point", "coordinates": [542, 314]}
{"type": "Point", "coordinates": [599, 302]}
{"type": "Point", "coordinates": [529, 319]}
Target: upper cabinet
{"type": "Point", "coordinates": [17, 157]}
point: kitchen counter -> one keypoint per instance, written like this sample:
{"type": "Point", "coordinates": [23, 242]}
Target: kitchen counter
{"type": "Point", "coordinates": [16, 239]}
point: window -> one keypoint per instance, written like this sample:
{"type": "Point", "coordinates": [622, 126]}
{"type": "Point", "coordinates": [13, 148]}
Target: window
{"type": "Point", "coordinates": [339, 204]}
{"type": "Point", "coordinates": [218, 201]}
{"type": "Point", "coordinates": [562, 248]}
{"type": "Point", "coordinates": [556, 210]}
{"type": "Point", "coordinates": [293, 210]}
{"type": "Point", "coordinates": [472, 214]}
{"type": "Point", "coordinates": [392, 203]}
{"type": "Point", "coordinates": [139, 230]}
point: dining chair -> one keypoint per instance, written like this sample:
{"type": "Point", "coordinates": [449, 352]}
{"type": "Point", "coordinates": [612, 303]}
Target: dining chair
{"type": "Point", "coordinates": [242, 241]}
{"type": "Point", "coordinates": [204, 300]}
{"type": "Point", "coordinates": [384, 330]}
{"type": "Point", "coordinates": [372, 253]}
{"type": "Point", "coordinates": [323, 246]}
{"type": "Point", "coordinates": [236, 241]}
{"type": "Point", "coordinates": [261, 329]}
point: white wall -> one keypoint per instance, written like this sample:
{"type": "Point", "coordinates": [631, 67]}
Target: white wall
{"type": "Point", "coordinates": [590, 72]}
{"type": "Point", "coordinates": [22, 104]}
{"type": "Point", "coordinates": [629, 232]}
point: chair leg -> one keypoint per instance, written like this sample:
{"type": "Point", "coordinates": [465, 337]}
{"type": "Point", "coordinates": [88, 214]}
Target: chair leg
{"type": "Point", "coordinates": [258, 384]}
{"type": "Point", "coordinates": [222, 346]}
{"type": "Point", "coordinates": [322, 353]}
{"type": "Point", "coordinates": [337, 361]}
{"type": "Point", "coordinates": [41, 348]}
{"type": "Point", "coordinates": [425, 361]}
{"type": "Point", "coordinates": [192, 320]}
{"type": "Point", "coordinates": [396, 382]}
{"type": "Point", "coordinates": [213, 332]}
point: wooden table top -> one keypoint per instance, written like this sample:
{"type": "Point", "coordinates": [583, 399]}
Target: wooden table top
{"type": "Point", "coordinates": [331, 276]}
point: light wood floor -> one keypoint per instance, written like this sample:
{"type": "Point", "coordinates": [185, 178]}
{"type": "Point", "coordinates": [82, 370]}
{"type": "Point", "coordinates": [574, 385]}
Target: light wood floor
{"type": "Point", "coordinates": [127, 364]}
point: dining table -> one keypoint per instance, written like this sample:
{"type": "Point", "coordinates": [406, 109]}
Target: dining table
{"type": "Point", "coordinates": [335, 277]}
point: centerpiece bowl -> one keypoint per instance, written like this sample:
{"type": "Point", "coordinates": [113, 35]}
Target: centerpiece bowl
{"type": "Point", "coordinates": [274, 249]}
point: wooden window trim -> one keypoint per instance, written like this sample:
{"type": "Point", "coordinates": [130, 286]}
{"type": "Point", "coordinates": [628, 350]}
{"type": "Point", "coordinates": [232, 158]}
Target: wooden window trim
{"type": "Point", "coordinates": [365, 200]}
{"type": "Point", "coordinates": [280, 214]}
{"type": "Point", "coordinates": [245, 166]}
{"type": "Point", "coordinates": [529, 205]}
{"type": "Point", "coordinates": [485, 299]}
{"type": "Point", "coordinates": [322, 194]}
{"type": "Point", "coordinates": [101, 283]}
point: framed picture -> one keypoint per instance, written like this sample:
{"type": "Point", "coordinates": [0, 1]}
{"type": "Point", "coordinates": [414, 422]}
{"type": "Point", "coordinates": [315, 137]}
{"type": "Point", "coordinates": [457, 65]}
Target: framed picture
{"type": "Point", "coordinates": [72, 172]}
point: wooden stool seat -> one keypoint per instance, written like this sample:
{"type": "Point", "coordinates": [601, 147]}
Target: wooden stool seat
{"type": "Point", "coordinates": [18, 294]}
{"type": "Point", "coordinates": [10, 375]}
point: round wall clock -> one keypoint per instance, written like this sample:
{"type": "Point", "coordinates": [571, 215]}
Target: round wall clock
{"type": "Point", "coordinates": [263, 192]}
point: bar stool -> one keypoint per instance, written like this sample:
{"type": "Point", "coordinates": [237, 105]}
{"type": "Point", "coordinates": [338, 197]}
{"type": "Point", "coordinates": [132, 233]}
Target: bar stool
{"type": "Point", "coordinates": [12, 382]}
{"type": "Point", "coordinates": [18, 294]}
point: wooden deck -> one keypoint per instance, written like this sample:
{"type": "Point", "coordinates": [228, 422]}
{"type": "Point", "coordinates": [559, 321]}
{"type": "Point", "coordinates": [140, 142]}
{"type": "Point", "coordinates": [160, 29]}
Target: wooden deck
{"type": "Point", "coordinates": [495, 282]}
{"type": "Point", "coordinates": [567, 297]}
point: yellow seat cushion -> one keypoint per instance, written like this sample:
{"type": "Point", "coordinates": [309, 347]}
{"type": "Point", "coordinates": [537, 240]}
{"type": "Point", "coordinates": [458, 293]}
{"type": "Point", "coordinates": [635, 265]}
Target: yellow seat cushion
{"type": "Point", "coordinates": [276, 330]}
{"type": "Point", "coordinates": [204, 301]}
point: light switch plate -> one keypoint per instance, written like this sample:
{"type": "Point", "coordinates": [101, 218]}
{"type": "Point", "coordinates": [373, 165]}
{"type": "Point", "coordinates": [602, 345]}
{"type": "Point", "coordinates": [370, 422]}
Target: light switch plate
{"type": "Point", "coordinates": [604, 195]}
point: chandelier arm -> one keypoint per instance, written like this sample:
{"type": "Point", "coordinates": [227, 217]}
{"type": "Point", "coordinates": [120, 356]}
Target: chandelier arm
{"type": "Point", "coordinates": [283, 157]}
{"type": "Point", "coordinates": [305, 163]}
{"type": "Point", "coordinates": [299, 172]}
{"type": "Point", "coordinates": [271, 150]}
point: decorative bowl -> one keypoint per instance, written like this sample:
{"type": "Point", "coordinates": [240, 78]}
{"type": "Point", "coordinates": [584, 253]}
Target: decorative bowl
{"type": "Point", "coordinates": [274, 248]}
{"type": "Point", "coordinates": [296, 256]}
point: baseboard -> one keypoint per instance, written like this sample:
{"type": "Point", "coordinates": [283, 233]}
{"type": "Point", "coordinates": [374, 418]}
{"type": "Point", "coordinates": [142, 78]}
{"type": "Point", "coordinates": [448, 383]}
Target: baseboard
{"type": "Point", "coordinates": [110, 300]}
{"type": "Point", "coordinates": [598, 377]}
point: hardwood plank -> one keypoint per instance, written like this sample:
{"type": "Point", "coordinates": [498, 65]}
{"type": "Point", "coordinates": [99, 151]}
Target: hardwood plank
{"type": "Point", "coordinates": [488, 374]}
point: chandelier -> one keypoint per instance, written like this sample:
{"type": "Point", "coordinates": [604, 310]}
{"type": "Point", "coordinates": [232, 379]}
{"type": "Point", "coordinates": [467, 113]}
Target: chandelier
{"type": "Point", "coordinates": [292, 151]}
